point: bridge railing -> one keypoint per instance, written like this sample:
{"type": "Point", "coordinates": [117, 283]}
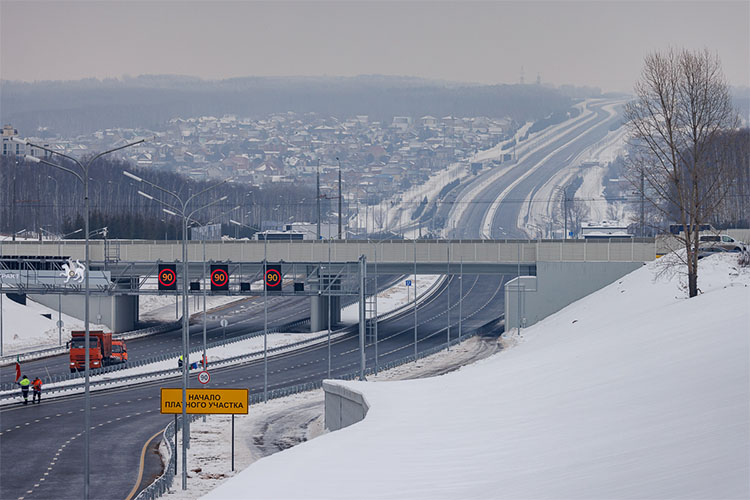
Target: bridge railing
{"type": "Point", "coordinates": [388, 251]}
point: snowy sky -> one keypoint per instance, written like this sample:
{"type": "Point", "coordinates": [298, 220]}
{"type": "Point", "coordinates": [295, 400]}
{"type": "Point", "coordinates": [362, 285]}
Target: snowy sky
{"type": "Point", "coordinates": [600, 43]}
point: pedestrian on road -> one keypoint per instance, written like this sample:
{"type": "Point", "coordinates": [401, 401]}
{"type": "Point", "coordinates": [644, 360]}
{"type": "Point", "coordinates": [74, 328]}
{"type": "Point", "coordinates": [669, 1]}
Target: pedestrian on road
{"type": "Point", "coordinates": [25, 383]}
{"type": "Point", "coordinates": [37, 386]}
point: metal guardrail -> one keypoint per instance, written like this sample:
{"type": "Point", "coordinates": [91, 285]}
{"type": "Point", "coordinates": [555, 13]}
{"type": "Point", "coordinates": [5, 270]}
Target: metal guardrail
{"type": "Point", "coordinates": [52, 351]}
{"type": "Point", "coordinates": [10, 386]}
{"type": "Point", "coordinates": [164, 482]}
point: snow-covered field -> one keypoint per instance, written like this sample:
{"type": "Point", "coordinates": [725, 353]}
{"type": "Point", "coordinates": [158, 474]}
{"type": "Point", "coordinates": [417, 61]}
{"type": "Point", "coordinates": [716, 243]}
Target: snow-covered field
{"type": "Point", "coordinates": [26, 328]}
{"type": "Point", "coordinates": [632, 392]}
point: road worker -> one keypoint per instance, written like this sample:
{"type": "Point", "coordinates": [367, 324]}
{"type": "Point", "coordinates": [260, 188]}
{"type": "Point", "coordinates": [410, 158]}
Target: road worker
{"type": "Point", "coordinates": [25, 383]}
{"type": "Point", "coordinates": [36, 385]}
{"type": "Point", "coordinates": [179, 362]}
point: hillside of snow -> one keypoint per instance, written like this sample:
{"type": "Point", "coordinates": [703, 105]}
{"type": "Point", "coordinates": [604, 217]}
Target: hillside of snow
{"type": "Point", "coordinates": [632, 392]}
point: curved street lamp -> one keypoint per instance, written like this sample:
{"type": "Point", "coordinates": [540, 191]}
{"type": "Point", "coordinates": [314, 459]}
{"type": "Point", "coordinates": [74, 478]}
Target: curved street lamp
{"type": "Point", "coordinates": [83, 176]}
{"type": "Point", "coordinates": [180, 208]}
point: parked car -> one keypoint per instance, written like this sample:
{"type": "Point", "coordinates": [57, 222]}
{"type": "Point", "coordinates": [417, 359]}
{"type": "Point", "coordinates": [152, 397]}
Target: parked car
{"type": "Point", "coordinates": [705, 251]}
{"type": "Point", "coordinates": [722, 241]}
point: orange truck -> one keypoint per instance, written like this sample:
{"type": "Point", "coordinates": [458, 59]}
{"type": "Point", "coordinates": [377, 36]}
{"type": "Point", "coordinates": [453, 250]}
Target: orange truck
{"type": "Point", "coordinates": [119, 351]}
{"type": "Point", "coordinates": [100, 349]}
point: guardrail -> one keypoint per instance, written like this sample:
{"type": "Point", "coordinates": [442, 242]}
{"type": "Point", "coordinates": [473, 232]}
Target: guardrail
{"type": "Point", "coordinates": [53, 351]}
{"type": "Point", "coordinates": [11, 386]}
{"type": "Point", "coordinates": [164, 482]}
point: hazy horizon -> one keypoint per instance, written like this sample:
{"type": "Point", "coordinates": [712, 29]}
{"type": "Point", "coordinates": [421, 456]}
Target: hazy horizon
{"type": "Point", "coordinates": [598, 44]}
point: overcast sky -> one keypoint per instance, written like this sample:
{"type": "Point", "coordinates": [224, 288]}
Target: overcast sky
{"type": "Point", "coordinates": [599, 43]}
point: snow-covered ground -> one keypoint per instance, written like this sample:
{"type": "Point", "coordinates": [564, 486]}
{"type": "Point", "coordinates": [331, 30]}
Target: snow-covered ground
{"type": "Point", "coordinates": [632, 392]}
{"type": "Point", "coordinates": [27, 328]}
{"type": "Point", "coordinates": [285, 422]}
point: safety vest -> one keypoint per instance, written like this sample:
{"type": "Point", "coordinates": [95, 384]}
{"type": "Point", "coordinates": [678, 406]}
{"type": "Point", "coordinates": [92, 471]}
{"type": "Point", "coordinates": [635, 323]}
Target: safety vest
{"type": "Point", "coordinates": [25, 382]}
{"type": "Point", "coordinates": [37, 384]}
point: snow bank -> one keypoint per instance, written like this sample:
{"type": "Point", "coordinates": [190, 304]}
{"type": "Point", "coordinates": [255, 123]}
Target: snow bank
{"type": "Point", "coordinates": [26, 328]}
{"type": "Point", "coordinates": [632, 392]}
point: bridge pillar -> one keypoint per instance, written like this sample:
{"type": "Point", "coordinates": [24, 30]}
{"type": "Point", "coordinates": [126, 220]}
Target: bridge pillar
{"type": "Point", "coordinates": [118, 312]}
{"type": "Point", "coordinates": [318, 313]}
{"type": "Point", "coordinates": [319, 305]}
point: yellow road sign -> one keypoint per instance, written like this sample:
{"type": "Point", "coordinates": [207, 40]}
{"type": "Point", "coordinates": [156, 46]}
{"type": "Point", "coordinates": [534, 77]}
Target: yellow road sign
{"type": "Point", "coordinates": [205, 401]}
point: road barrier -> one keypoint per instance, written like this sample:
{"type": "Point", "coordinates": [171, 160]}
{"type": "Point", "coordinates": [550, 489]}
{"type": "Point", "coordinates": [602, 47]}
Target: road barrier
{"type": "Point", "coordinates": [164, 482]}
{"type": "Point", "coordinates": [54, 351]}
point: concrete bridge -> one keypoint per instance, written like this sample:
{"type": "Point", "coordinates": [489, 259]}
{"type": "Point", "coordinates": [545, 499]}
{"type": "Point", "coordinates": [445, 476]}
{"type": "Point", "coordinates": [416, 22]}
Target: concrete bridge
{"type": "Point", "coordinates": [553, 272]}
{"type": "Point", "coordinates": [431, 256]}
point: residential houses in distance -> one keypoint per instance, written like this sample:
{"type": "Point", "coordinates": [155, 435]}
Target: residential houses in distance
{"type": "Point", "coordinates": [377, 159]}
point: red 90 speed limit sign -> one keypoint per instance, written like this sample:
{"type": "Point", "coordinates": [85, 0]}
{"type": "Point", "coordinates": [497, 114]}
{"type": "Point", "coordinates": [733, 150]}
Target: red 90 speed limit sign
{"type": "Point", "coordinates": [167, 277]}
{"type": "Point", "coordinates": [204, 377]}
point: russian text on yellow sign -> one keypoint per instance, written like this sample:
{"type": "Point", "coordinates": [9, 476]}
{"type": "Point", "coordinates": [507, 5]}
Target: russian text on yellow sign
{"type": "Point", "coordinates": [205, 401]}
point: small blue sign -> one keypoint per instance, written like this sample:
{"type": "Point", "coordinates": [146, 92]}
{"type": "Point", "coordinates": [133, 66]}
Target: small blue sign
{"type": "Point", "coordinates": [408, 282]}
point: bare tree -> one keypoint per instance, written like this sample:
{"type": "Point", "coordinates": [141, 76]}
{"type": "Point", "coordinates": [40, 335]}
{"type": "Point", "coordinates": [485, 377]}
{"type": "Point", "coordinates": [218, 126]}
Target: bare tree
{"type": "Point", "coordinates": [676, 126]}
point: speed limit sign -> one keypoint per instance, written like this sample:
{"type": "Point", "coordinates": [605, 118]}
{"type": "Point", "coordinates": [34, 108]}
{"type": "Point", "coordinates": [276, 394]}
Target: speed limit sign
{"type": "Point", "coordinates": [204, 377]}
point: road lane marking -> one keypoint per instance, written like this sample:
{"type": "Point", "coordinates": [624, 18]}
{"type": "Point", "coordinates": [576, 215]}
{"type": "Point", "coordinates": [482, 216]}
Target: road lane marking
{"type": "Point", "coordinates": [141, 466]}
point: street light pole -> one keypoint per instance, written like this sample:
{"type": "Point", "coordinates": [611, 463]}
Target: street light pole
{"type": "Point", "coordinates": [85, 180]}
{"type": "Point", "coordinates": [337, 159]}
{"type": "Point", "coordinates": [181, 210]}
{"type": "Point", "coordinates": [317, 198]}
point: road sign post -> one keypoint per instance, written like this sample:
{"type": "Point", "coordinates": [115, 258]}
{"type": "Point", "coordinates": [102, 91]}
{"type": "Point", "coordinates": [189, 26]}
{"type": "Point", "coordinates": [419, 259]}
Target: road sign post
{"type": "Point", "coordinates": [205, 401]}
{"type": "Point", "coordinates": [224, 324]}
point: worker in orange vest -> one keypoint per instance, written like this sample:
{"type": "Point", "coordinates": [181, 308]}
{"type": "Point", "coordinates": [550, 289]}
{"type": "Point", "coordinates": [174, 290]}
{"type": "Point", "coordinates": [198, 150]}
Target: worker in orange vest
{"type": "Point", "coordinates": [37, 386]}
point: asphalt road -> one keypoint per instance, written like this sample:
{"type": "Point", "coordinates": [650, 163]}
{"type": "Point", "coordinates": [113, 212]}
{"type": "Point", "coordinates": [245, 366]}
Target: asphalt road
{"type": "Point", "coordinates": [541, 164]}
{"type": "Point", "coordinates": [244, 316]}
{"type": "Point", "coordinates": [41, 454]}
{"type": "Point", "coordinates": [47, 438]}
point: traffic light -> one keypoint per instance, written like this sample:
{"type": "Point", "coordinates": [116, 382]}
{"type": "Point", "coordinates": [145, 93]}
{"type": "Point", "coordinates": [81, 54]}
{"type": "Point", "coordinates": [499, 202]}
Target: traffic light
{"type": "Point", "coordinates": [219, 278]}
{"type": "Point", "coordinates": [273, 277]}
{"type": "Point", "coordinates": [167, 277]}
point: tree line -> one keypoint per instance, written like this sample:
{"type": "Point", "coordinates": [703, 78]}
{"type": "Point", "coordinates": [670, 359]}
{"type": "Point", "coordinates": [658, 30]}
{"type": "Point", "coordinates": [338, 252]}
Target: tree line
{"type": "Point", "coordinates": [38, 196]}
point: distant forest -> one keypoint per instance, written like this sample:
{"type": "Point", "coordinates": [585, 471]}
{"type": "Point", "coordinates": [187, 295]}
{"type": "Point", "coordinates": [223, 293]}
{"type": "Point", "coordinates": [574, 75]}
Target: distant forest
{"type": "Point", "coordinates": [34, 196]}
{"type": "Point", "coordinates": [80, 107]}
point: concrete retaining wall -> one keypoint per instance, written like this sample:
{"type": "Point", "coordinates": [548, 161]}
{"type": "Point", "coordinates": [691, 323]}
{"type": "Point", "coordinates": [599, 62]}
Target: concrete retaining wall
{"type": "Point", "coordinates": [556, 285]}
{"type": "Point", "coordinates": [118, 312]}
{"type": "Point", "coordinates": [344, 406]}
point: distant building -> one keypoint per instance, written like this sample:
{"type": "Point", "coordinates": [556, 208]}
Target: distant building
{"type": "Point", "coordinates": [11, 148]}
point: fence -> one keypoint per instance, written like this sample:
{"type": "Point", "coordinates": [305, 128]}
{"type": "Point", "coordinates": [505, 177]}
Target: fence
{"type": "Point", "coordinates": [164, 482]}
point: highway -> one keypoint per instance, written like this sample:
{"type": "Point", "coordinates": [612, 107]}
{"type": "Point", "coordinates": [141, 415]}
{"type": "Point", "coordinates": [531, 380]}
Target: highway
{"type": "Point", "coordinates": [45, 441]}
{"type": "Point", "coordinates": [244, 316]}
{"type": "Point", "coordinates": [42, 447]}
{"type": "Point", "coordinates": [493, 209]}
